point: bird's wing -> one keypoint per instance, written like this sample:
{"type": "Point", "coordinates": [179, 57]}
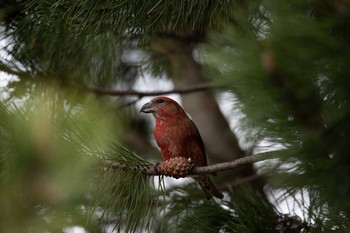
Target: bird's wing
{"type": "Point", "coordinates": [198, 139]}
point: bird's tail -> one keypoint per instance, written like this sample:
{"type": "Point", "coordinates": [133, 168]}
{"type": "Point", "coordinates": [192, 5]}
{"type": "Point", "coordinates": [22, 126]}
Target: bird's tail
{"type": "Point", "coordinates": [208, 186]}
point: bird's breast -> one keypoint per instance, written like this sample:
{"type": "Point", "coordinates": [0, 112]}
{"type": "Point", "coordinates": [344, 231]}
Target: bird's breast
{"type": "Point", "coordinates": [170, 140]}
{"type": "Point", "coordinates": [166, 132]}
{"type": "Point", "coordinates": [177, 140]}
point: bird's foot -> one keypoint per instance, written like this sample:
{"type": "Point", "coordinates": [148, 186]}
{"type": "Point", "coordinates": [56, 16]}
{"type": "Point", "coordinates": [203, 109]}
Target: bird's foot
{"type": "Point", "coordinates": [177, 167]}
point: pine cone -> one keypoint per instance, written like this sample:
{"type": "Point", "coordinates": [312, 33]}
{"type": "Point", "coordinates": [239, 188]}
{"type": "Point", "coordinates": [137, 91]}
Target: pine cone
{"type": "Point", "coordinates": [175, 167]}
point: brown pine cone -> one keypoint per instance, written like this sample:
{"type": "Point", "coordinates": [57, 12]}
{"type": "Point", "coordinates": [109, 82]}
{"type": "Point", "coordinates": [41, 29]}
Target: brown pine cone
{"type": "Point", "coordinates": [175, 167]}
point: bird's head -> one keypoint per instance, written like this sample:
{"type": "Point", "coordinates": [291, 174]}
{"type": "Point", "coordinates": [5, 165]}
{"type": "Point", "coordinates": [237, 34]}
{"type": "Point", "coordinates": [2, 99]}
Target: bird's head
{"type": "Point", "coordinates": [163, 107]}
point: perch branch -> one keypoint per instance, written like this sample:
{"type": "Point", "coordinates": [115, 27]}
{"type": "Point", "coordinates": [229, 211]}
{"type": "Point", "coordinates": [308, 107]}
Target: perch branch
{"type": "Point", "coordinates": [151, 170]}
{"type": "Point", "coordinates": [141, 94]}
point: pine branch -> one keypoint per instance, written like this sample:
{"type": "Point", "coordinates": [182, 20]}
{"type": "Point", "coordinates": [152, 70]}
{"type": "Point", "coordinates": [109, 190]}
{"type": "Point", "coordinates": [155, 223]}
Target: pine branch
{"type": "Point", "coordinates": [152, 171]}
{"type": "Point", "coordinates": [6, 69]}
{"type": "Point", "coordinates": [236, 163]}
{"type": "Point", "coordinates": [141, 94]}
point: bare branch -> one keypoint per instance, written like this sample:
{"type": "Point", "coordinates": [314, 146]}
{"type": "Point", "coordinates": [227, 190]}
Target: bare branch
{"type": "Point", "coordinates": [152, 171]}
{"type": "Point", "coordinates": [235, 163]}
{"type": "Point", "coordinates": [141, 94]}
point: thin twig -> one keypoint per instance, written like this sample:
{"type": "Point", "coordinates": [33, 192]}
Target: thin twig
{"type": "Point", "coordinates": [151, 170]}
{"type": "Point", "coordinates": [141, 94]}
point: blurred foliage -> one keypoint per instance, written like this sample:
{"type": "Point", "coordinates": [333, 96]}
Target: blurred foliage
{"type": "Point", "coordinates": [248, 214]}
{"type": "Point", "coordinates": [135, 19]}
{"type": "Point", "coordinates": [88, 42]}
{"type": "Point", "coordinates": [50, 174]}
{"type": "Point", "coordinates": [292, 85]}
{"type": "Point", "coordinates": [286, 62]}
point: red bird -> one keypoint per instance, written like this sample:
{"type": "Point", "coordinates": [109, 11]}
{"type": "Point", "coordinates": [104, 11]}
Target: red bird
{"type": "Point", "coordinates": [178, 136]}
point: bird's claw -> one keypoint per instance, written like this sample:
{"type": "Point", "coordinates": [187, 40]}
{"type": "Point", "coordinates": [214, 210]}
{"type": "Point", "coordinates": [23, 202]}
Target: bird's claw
{"type": "Point", "coordinates": [190, 164]}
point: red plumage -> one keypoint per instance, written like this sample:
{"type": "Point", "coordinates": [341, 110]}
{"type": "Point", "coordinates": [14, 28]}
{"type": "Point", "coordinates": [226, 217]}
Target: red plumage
{"type": "Point", "coordinates": [178, 136]}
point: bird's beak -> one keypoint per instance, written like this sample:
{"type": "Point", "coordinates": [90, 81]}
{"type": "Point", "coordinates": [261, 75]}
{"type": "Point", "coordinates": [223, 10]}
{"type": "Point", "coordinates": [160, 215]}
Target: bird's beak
{"type": "Point", "coordinates": [147, 108]}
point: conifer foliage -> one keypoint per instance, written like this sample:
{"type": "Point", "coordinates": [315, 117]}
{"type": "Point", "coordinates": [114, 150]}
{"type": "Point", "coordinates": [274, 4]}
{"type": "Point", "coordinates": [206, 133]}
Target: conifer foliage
{"type": "Point", "coordinates": [285, 66]}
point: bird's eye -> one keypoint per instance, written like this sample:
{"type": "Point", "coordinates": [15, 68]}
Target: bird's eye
{"type": "Point", "coordinates": [159, 101]}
